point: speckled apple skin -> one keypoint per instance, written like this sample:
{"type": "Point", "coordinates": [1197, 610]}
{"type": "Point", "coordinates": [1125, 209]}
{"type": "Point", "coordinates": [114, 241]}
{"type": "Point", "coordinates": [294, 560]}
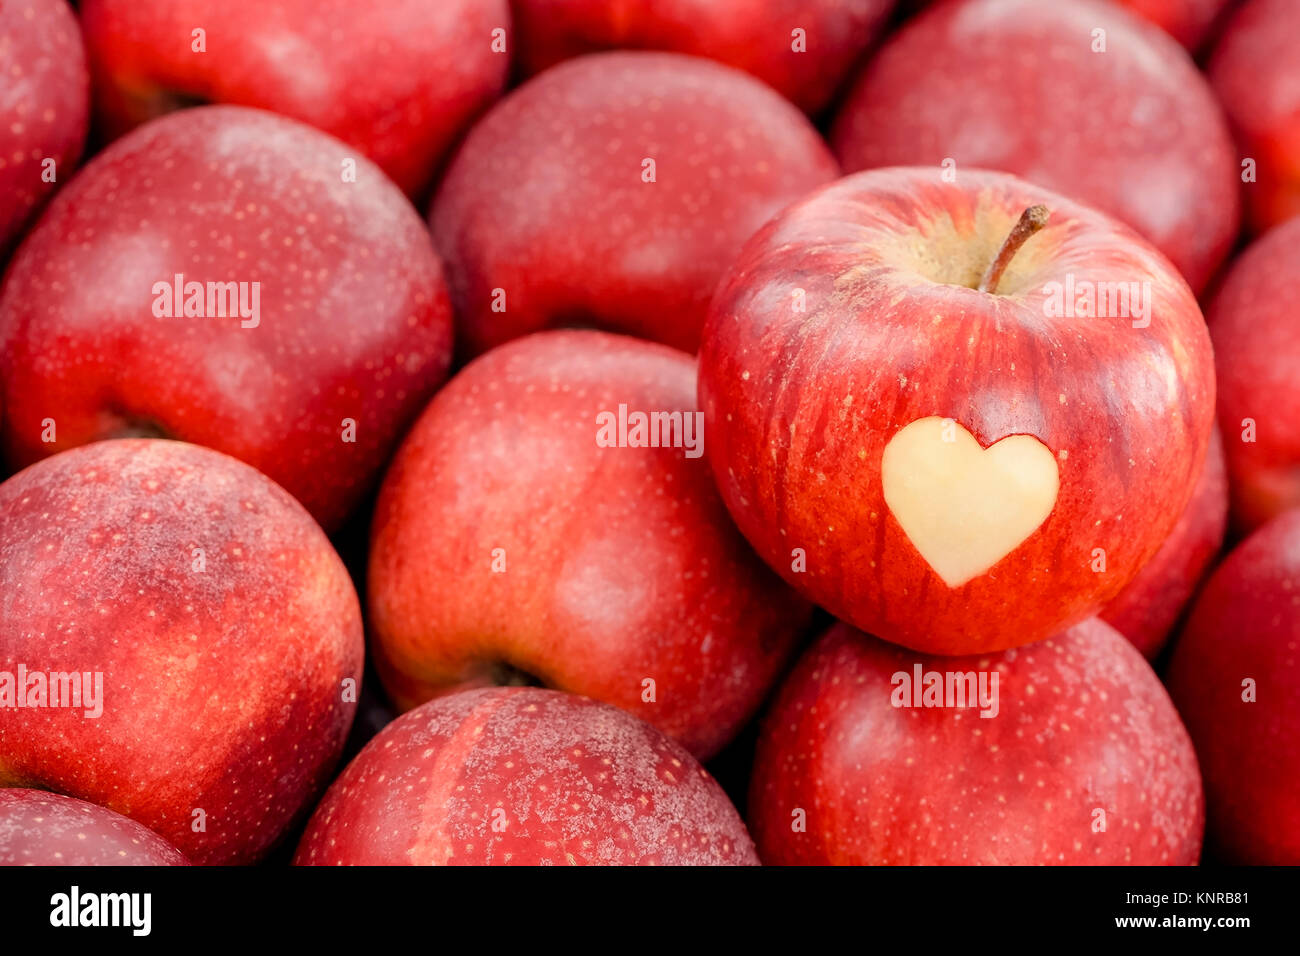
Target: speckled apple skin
{"type": "Point", "coordinates": [355, 320]}
{"type": "Point", "coordinates": [1187, 21]}
{"type": "Point", "coordinates": [1014, 85]}
{"type": "Point", "coordinates": [798, 406]}
{"type": "Point", "coordinates": [1147, 609]}
{"type": "Point", "coordinates": [223, 689]}
{"type": "Point", "coordinates": [1083, 724]}
{"type": "Point", "coordinates": [399, 80]}
{"type": "Point", "coordinates": [751, 35]}
{"type": "Point", "coordinates": [545, 200]}
{"type": "Point", "coordinates": [1256, 333]}
{"type": "Point", "coordinates": [44, 106]}
{"type": "Point", "coordinates": [38, 828]}
{"type": "Point", "coordinates": [524, 776]}
{"type": "Point", "coordinates": [1246, 625]}
{"type": "Point", "coordinates": [621, 564]}
{"type": "Point", "coordinates": [1255, 71]}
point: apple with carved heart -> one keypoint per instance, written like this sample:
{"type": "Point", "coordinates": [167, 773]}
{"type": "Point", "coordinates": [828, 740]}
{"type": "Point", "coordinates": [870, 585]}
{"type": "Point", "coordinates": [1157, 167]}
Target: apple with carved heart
{"type": "Point", "coordinates": [919, 430]}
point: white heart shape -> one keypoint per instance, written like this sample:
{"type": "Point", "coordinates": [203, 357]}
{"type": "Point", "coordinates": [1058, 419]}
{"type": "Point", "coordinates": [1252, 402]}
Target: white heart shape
{"type": "Point", "coordinates": [965, 507]}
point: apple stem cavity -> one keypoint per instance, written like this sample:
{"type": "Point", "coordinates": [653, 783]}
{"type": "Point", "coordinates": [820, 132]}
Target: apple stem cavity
{"type": "Point", "coordinates": [1031, 220]}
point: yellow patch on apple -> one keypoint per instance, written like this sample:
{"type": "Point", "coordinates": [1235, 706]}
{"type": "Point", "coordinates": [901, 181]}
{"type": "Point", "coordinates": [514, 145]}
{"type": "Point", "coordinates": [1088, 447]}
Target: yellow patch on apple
{"type": "Point", "coordinates": [965, 507]}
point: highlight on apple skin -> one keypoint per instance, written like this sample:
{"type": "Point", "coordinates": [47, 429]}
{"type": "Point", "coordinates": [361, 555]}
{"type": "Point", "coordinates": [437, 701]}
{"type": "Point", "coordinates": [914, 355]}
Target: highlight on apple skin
{"type": "Point", "coordinates": [1065, 752]}
{"type": "Point", "coordinates": [231, 289]}
{"type": "Point", "coordinates": [1235, 676]}
{"type": "Point", "coordinates": [38, 828]}
{"type": "Point", "coordinates": [210, 619]}
{"type": "Point", "coordinates": [953, 468]}
{"type": "Point", "coordinates": [524, 776]}
{"type": "Point", "coordinates": [511, 543]}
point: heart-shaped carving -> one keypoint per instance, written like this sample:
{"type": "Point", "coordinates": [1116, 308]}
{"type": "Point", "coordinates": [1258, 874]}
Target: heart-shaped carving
{"type": "Point", "coordinates": [965, 507]}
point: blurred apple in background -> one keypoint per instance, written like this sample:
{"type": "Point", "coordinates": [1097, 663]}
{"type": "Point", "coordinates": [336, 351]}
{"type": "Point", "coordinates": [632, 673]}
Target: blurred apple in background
{"type": "Point", "coordinates": [1235, 676]}
{"type": "Point", "coordinates": [1255, 70]}
{"type": "Point", "coordinates": [223, 626]}
{"type": "Point", "coordinates": [399, 80]}
{"type": "Point", "coordinates": [1081, 758]}
{"type": "Point", "coordinates": [38, 828]}
{"type": "Point", "coordinates": [1256, 332]}
{"type": "Point", "coordinates": [917, 418]}
{"type": "Point", "coordinates": [329, 328]}
{"type": "Point", "coordinates": [802, 48]}
{"type": "Point", "coordinates": [1147, 609]}
{"type": "Point", "coordinates": [510, 545]}
{"type": "Point", "coordinates": [528, 777]}
{"type": "Point", "coordinates": [1023, 86]}
{"type": "Point", "coordinates": [44, 107]}
{"type": "Point", "coordinates": [613, 190]}
{"type": "Point", "coordinates": [1187, 21]}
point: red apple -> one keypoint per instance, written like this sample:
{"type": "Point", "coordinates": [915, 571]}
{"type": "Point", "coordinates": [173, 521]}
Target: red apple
{"type": "Point", "coordinates": [399, 82]}
{"type": "Point", "coordinates": [613, 190]}
{"type": "Point", "coordinates": [1022, 86]}
{"type": "Point", "coordinates": [46, 829]}
{"type": "Point", "coordinates": [1066, 752]}
{"type": "Point", "coordinates": [511, 544]}
{"type": "Point", "coordinates": [330, 328]}
{"type": "Point", "coordinates": [43, 106]}
{"type": "Point", "coordinates": [1255, 70]}
{"type": "Point", "coordinates": [916, 419]}
{"type": "Point", "coordinates": [1187, 21]}
{"type": "Point", "coordinates": [803, 48]}
{"type": "Point", "coordinates": [1256, 332]}
{"type": "Point", "coordinates": [1147, 609]}
{"type": "Point", "coordinates": [1235, 676]}
{"type": "Point", "coordinates": [528, 777]}
{"type": "Point", "coordinates": [216, 634]}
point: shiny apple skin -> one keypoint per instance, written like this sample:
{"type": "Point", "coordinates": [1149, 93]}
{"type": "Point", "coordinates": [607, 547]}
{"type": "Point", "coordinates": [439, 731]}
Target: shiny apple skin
{"type": "Point", "coordinates": [1256, 333]}
{"type": "Point", "coordinates": [1255, 71]}
{"type": "Point", "coordinates": [44, 107]}
{"type": "Point", "coordinates": [526, 777]}
{"type": "Point", "coordinates": [1246, 626]}
{"type": "Point", "coordinates": [751, 35]}
{"type": "Point", "coordinates": [400, 80]}
{"type": "Point", "coordinates": [225, 627]}
{"type": "Point", "coordinates": [544, 218]}
{"type": "Point", "coordinates": [355, 321]}
{"type": "Point", "coordinates": [1148, 608]}
{"type": "Point", "coordinates": [39, 828]}
{"type": "Point", "coordinates": [616, 565]}
{"type": "Point", "coordinates": [1083, 725]}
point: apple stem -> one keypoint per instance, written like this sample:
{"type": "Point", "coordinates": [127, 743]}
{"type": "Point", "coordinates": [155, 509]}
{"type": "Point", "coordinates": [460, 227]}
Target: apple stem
{"type": "Point", "coordinates": [1030, 221]}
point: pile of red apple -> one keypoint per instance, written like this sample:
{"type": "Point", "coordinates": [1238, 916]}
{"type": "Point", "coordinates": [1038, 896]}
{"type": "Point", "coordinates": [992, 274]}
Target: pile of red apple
{"type": "Point", "coordinates": [903, 396]}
